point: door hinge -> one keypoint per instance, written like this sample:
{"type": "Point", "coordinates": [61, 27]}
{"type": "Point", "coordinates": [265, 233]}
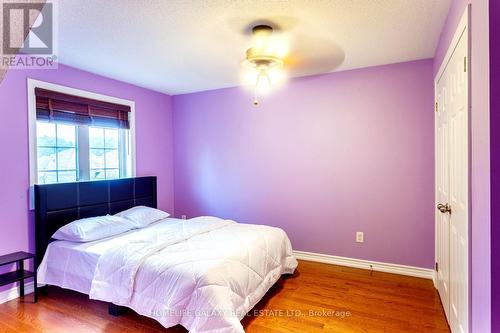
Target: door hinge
{"type": "Point", "coordinates": [465, 64]}
{"type": "Point", "coordinates": [437, 109]}
{"type": "Point", "coordinates": [436, 266]}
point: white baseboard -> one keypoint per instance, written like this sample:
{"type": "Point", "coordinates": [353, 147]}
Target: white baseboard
{"type": "Point", "coordinates": [425, 273]}
{"type": "Point", "coordinates": [10, 294]}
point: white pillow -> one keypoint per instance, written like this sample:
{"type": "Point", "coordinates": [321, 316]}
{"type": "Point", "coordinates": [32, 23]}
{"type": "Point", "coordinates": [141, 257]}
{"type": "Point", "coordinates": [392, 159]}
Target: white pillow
{"type": "Point", "coordinates": [93, 228]}
{"type": "Point", "coordinates": [141, 216]}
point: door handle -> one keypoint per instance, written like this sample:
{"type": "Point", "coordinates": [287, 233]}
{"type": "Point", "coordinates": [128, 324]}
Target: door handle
{"type": "Point", "coordinates": [446, 208]}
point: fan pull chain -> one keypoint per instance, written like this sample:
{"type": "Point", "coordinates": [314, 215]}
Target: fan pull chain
{"type": "Point", "coordinates": [255, 99]}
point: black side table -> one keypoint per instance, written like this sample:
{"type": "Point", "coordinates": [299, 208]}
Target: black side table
{"type": "Point", "coordinates": [20, 274]}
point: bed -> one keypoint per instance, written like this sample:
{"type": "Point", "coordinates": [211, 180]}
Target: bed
{"type": "Point", "coordinates": [204, 273]}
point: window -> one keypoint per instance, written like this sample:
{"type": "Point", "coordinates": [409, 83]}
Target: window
{"type": "Point", "coordinates": [60, 158]}
{"type": "Point", "coordinates": [56, 153]}
{"type": "Point", "coordinates": [104, 153]}
{"type": "Point", "coordinates": [75, 138]}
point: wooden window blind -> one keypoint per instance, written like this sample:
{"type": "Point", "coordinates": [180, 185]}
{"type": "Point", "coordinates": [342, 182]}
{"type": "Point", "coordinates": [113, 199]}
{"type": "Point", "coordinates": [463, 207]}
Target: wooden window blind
{"type": "Point", "coordinates": [63, 108]}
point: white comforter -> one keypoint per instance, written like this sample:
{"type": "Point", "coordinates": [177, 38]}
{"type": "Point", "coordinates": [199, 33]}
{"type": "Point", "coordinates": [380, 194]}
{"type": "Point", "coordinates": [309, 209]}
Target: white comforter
{"type": "Point", "coordinates": [205, 273]}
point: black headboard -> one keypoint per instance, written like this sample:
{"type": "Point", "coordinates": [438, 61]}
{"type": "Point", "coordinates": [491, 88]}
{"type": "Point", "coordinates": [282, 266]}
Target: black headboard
{"type": "Point", "coordinates": [60, 204]}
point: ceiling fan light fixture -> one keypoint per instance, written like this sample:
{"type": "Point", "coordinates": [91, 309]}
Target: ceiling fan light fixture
{"type": "Point", "coordinates": [263, 83]}
{"type": "Point", "coordinates": [264, 61]}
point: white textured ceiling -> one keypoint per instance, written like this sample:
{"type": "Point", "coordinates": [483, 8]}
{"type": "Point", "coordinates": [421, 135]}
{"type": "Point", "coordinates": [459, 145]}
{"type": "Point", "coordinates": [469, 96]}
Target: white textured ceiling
{"type": "Point", "coordinates": [181, 46]}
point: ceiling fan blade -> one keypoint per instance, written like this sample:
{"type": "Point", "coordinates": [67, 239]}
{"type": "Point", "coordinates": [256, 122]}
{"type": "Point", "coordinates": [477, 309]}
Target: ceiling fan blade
{"type": "Point", "coordinates": [312, 55]}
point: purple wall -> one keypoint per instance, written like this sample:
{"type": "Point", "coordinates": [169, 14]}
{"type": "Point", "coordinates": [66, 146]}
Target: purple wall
{"type": "Point", "coordinates": [480, 278]}
{"type": "Point", "coordinates": [454, 15]}
{"type": "Point", "coordinates": [495, 163]}
{"type": "Point", "coordinates": [325, 157]}
{"type": "Point", "coordinates": [153, 144]}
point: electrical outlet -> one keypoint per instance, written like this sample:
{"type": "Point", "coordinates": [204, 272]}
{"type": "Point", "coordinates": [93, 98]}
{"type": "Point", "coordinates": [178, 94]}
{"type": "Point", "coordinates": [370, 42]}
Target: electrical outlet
{"type": "Point", "coordinates": [183, 217]}
{"type": "Point", "coordinates": [360, 237]}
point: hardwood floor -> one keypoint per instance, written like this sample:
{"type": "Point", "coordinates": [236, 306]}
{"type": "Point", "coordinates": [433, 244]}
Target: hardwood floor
{"type": "Point", "coordinates": [317, 298]}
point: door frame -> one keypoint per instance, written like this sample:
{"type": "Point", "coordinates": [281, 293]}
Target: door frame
{"type": "Point", "coordinates": [464, 24]}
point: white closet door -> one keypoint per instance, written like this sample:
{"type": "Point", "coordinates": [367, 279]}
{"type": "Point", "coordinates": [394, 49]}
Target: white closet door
{"type": "Point", "coordinates": [452, 186]}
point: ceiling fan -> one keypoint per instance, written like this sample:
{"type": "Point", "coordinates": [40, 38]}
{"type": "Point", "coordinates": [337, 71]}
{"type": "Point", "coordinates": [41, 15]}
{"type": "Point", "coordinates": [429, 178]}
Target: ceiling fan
{"type": "Point", "coordinates": [280, 48]}
{"type": "Point", "coordinates": [263, 66]}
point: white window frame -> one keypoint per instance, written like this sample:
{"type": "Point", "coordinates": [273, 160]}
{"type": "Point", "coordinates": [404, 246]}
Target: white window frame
{"type": "Point", "coordinates": [32, 84]}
